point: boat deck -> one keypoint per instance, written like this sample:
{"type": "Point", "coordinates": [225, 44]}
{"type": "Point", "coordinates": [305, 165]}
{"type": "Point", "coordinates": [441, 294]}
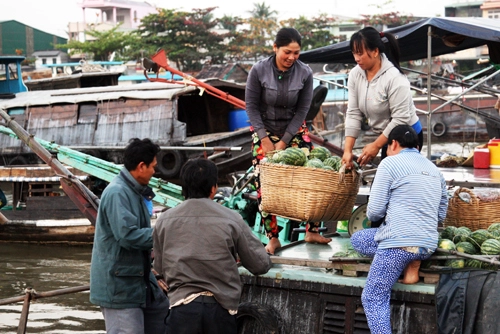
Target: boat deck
{"type": "Point", "coordinates": [309, 251]}
{"type": "Point", "coordinates": [472, 177]}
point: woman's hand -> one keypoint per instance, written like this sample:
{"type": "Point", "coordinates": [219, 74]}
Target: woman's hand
{"type": "Point", "coordinates": [281, 145]}
{"type": "Point", "coordinates": [267, 145]}
{"type": "Point", "coordinates": [370, 151]}
{"type": "Point", "coordinates": [347, 159]}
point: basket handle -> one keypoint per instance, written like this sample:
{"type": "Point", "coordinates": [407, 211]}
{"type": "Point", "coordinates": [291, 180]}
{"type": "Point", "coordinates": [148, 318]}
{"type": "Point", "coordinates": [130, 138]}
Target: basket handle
{"type": "Point", "coordinates": [473, 197]}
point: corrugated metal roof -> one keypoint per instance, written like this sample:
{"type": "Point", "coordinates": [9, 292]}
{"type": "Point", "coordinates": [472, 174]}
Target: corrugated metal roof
{"type": "Point", "coordinates": [38, 179]}
{"type": "Point", "coordinates": [141, 91]}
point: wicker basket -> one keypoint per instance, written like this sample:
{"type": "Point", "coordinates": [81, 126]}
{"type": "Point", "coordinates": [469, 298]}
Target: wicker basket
{"type": "Point", "coordinates": [475, 215]}
{"type": "Point", "coordinates": [307, 194]}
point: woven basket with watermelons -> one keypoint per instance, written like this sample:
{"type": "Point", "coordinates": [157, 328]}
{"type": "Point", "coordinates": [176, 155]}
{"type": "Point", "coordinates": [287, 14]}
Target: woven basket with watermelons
{"type": "Point", "coordinates": [307, 186]}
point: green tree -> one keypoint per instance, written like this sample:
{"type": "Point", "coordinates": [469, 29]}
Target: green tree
{"type": "Point", "coordinates": [379, 21]}
{"type": "Point", "coordinates": [188, 38]}
{"type": "Point", "coordinates": [315, 32]}
{"type": "Point", "coordinates": [102, 44]}
{"type": "Point", "coordinates": [263, 27]}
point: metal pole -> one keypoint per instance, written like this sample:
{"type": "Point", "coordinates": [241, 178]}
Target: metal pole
{"type": "Point", "coordinates": [429, 69]}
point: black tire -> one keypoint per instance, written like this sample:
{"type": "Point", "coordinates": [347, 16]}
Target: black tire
{"type": "Point", "coordinates": [439, 129]}
{"type": "Point", "coordinates": [169, 163]}
{"type": "Point", "coordinates": [319, 96]}
{"type": "Point", "coordinates": [253, 318]}
{"type": "Point", "coordinates": [7, 96]}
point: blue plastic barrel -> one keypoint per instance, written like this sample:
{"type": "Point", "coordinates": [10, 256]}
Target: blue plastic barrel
{"type": "Point", "coordinates": [238, 119]}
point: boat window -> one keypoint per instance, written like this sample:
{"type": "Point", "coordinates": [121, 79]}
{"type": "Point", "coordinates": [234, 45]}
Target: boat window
{"type": "Point", "coordinates": [16, 111]}
{"type": "Point", "coordinates": [87, 113]}
{"type": "Point", "coordinates": [12, 69]}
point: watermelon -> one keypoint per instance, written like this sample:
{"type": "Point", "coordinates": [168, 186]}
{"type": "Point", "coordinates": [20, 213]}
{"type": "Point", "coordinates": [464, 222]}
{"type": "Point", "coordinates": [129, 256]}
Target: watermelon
{"type": "Point", "coordinates": [293, 156]}
{"type": "Point", "coordinates": [478, 237]}
{"type": "Point", "coordinates": [328, 168]}
{"type": "Point", "coordinates": [447, 244]}
{"type": "Point", "coordinates": [333, 162]}
{"type": "Point", "coordinates": [314, 163]}
{"type": "Point", "coordinates": [277, 157]}
{"type": "Point", "coordinates": [464, 228]}
{"type": "Point", "coordinates": [461, 234]}
{"type": "Point", "coordinates": [448, 232]}
{"type": "Point", "coordinates": [466, 247]}
{"type": "Point", "coordinates": [495, 227]}
{"type": "Point", "coordinates": [320, 153]}
{"type": "Point", "coordinates": [470, 263]}
{"type": "Point", "coordinates": [490, 247]}
{"type": "Point", "coordinates": [458, 263]}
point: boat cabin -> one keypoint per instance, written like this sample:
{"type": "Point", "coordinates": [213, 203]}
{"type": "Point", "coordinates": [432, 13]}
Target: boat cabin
{"type": "Point", "coordinates": [10, 76]}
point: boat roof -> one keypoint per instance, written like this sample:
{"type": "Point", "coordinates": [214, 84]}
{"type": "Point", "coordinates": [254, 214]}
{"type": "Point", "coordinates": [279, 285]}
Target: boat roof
{"type": "Point", "coordinates": [450, 34]}
{"type": "Point", "coordinates": [141, 91]}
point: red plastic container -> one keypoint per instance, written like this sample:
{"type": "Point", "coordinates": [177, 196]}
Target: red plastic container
{"type": "Point", "coordinates": [481, 158]}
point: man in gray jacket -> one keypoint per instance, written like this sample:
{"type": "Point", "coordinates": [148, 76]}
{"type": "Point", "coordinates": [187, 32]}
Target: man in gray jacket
{"type": "Point", "coordinates": [197, 245]}
{"type": "Point", "coordinates": [121, 282]}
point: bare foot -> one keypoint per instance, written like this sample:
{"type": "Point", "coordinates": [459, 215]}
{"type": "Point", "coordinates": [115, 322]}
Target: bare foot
{"type": "Point", "coordinates": [317, 238]}
{"type": "Point", "coordinates": [411, 273]}
{"type": "Point", "coordinates": [272, 245]}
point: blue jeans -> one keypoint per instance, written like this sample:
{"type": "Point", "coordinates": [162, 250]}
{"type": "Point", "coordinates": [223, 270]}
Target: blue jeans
{"type": "Point", "coordinates": [147, 320]}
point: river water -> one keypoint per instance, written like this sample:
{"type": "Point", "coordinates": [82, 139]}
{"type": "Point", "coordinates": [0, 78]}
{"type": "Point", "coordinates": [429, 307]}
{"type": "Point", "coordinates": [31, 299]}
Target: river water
{"type": "Point", "coordinates": [47, 268]}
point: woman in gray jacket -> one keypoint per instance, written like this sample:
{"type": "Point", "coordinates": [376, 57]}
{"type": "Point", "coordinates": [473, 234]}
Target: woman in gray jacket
{"type": "Point", "coordinates": [378, 92]}
{"type": "Point", "coordinates": [278, 96]}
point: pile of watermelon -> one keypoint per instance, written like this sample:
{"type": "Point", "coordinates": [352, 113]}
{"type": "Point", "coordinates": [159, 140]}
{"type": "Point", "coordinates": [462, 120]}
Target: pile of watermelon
{"type": "Point", "coordinates": [478, 242]}
{"type": "Point", "coordinates": [318, 157]}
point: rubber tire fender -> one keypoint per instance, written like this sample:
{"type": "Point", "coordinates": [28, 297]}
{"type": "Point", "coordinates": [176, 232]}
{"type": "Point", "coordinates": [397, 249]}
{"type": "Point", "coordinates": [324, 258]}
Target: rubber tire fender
{"type": "Point", "coordinates": [319, 96]}
{"type": "Point", "coordinates": [258, 319]}
{"type": "Point", "coordinates": [438, 129]}
{"type": "Point", "coordinates": [169, 163]}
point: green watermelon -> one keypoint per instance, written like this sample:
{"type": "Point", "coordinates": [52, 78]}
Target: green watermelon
{"type": "Point", "coordinates": [320, 153]}
{"type": "Point", "coordinates": [466, 247]}
{"type": "Point", "coordinates": [478, 237]}
{"type": "Point", "coordinates": [314, 163]}
{"type": "Point", "coordinates": [461, 234]}
{"type": "Point", "coordinates": [490, 247]}
{"type": "Point", "coordinates": [464, 228]}
{"type": "Point", "coordinates": [471, 263]}
{"type": "Point", "coordinates": [328, 168]}
{"type": "Point", "coordinates": [277, 157]}
{"type": "Point", "coordinates": [458, 263]}
{"type": "Point", "coordinates": [447, 244]}
{"type": "Point", "coordinates": [333, 162]}
{"type": "Point", "coordinates": [293, 156]}
{"type": "Point", "coordinates": [448, 232]}
{"type": "Point", "coordinates": [495, 227]}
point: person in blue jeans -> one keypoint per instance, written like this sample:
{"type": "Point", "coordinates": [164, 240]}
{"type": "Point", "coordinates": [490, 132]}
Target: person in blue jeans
{"type": "Point", "coordinates": [410, 192]}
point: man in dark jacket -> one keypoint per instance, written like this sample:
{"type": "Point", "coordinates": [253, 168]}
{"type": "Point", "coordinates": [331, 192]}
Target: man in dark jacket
{"type": "Point", "coordinates": [197, 245]}
{"type": "Point", "coordinates": [121, 282]}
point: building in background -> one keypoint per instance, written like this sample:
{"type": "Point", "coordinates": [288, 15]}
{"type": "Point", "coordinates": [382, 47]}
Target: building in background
{"type": "Point", "coordinates": [108, 14]}
{"type": "Point", "coordinates": [20, 39]}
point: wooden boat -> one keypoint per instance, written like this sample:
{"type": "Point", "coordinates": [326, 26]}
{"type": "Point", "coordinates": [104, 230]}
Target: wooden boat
{"type": "Point", "coordinates": [103, 119]}
{"type": "Point", "coordinates": [38, 210]}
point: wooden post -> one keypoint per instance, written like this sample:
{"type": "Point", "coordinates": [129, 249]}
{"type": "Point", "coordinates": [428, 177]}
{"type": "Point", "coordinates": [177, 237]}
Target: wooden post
{"type": "Point", "coordinates": [23, 321]}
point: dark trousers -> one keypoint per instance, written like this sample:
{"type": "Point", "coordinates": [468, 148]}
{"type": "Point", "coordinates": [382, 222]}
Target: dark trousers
{"type": "Point", "coordinates": [202, 316]}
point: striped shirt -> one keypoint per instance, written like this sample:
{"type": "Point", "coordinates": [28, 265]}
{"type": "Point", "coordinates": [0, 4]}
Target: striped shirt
{"type": "Point", "coordinates": [410, 192]}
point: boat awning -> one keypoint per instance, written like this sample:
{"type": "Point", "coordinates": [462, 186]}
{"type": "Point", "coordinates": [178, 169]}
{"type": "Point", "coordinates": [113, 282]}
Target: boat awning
{"type": "Point", "coordinates": [38, 179]}
{"type": "Point", "coordinates": [450, 34]}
